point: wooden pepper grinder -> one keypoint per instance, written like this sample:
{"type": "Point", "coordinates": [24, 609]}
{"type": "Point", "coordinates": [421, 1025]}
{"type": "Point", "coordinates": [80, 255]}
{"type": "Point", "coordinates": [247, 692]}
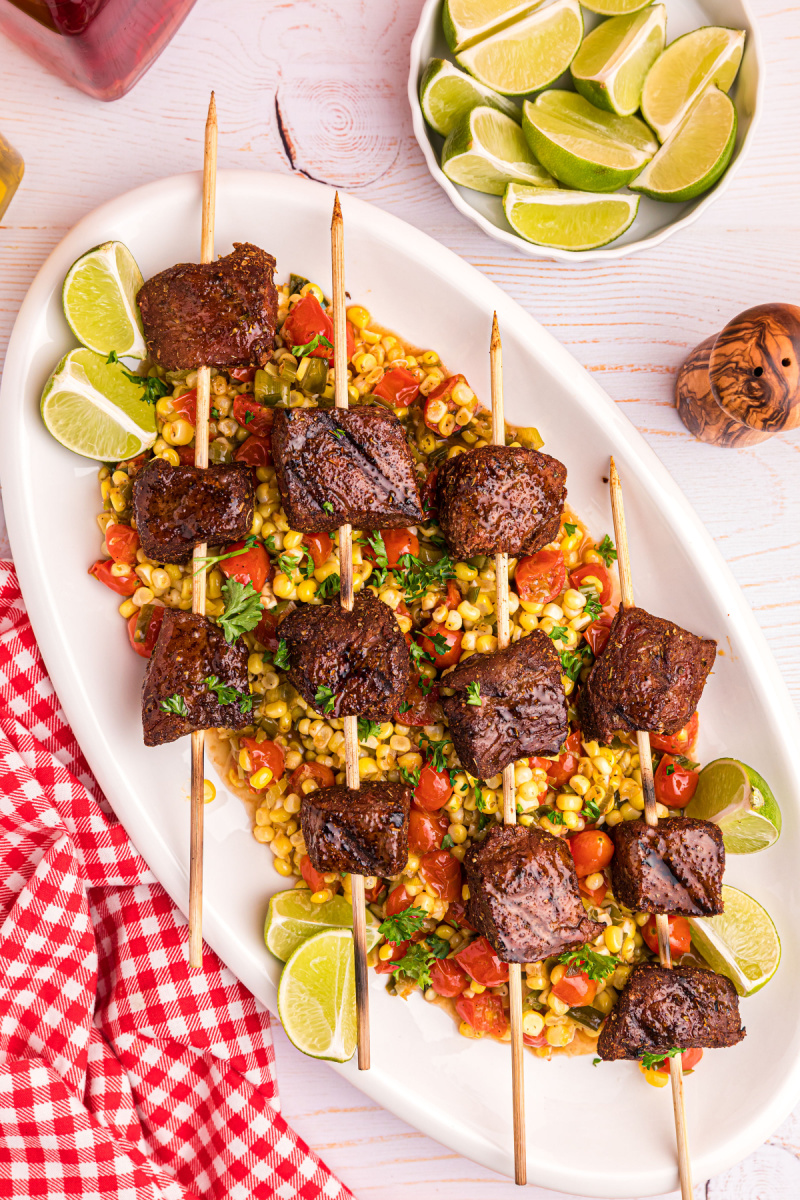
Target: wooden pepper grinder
{"type": "Point", "coordinates": [743, 385]}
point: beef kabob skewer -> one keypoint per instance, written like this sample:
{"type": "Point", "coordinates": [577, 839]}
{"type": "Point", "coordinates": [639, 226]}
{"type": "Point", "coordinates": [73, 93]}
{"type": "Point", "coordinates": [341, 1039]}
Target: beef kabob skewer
{"type": "Point", "coordinates": [651, 817]}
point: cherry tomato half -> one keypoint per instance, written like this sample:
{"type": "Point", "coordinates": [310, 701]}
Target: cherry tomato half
{"type": "Point", "coordinates": [397, 542]}
{"type": "Point", "coordinates": [453, 596]}
{"type": "Point", "coordinates": [398, 901]}
{"type": "Point", "coordinates": [242, 374]}
{"type": "Point", "coordinates": [321, 775]}
{"type": "Point", "coordinates": [251, 566]}
{"type": "Point", "coordinates": [597, 634]}
{"type": "Point", "coordinates": [425, 831]}
{"type": "Point", "coordinates": [591, 851]}
{"type": "Point", "coordinates": [186, 406]}
{"type": "Point", "coordinates": [583, 576]}
{"type": "Point", "coordinates": [266, 629]}
{"type": "Point", "coordinates": [385, 966]}
{"type": "Point", "coordinates": [564, 767]}
{"type": "Point", "coordinates": [256, 451]}
{"type": "Point", "coordinates": [433, 790]}
{"type": "Point", "coordinates": [319, 546]}
{"type": "Point", "coordinates": [675, 784]}
{"type": "Point", "coordinates": [143, 628]}
{"type": "Point", "coordinates": [254, 417]}
{"type": "Point", "coordinates": [307, 319]}
{"type": "Point", "coordinates": [448, 978]}
{"type": "Point", "coordinates": [122, 543]}
{"type": "Point", "coordinates": [680, 936]}
{"type": "Point", "coordinates": [575, 989]}
{"type": "Point", "coordinates": [681, 742]}
{"type": "Point", "coordinates": [442, 873]}
{"type": "Point", "coordinates": [314, 879]}
{"type": "Point", "coordinates": [265, 754]}
{"type": "Point", "coordinates": [456, 915]}
{"type": "Point", "coordinates": [123, 585]}
{"type": "Point", "coordinates": [443, 392]}
{"type": "Point", "coordinates": [541, 577]}
{"type": "Point", "coordinates": [451, 652]}
{"type": "Point", "coordinates": [482, 964]}
{"type": "Point", "coordinates": [398, 387]}
{"type": "Point", "coordinates": [423, 706]}
{"type": "Point", "coordinates": [428, 492]}
{"type": "Point", "coordinates": [484, 1013]}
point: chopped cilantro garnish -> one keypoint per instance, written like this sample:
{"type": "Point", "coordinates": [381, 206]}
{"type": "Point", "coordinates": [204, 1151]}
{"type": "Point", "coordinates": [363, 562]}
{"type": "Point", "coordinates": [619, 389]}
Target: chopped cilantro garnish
{"type": "Point", "coordinates": [249, 416]}
{"type": "Point", "coordinates": [596, 966]}
{"type": "Point", "coordinates": [330, 586]}
{"type": "Point", "coordinates": [318, 339]}
{"type": "Point", "coordinates": [573, 661]}
{"type": "Point", "coordinates": [175, 704]}
{"type": "Point", "coordinates": [439, 946]}
{"type": "Point", "coordinates": [242, 609]}
{"type": "Point", "coordinates": [112, 358]}
{"type": "Point", "coordinates": [570, 528]}
{"type": "Point", "coordinates": [281, 656]}
{"type": "Point", "coordinates": [326, 504]}
{"type": "Point", "coordinates": [593, 608]}
{"type": "Point", "coordinates": [559, 632]}
{"type": "Point", "coordinates": [415, 577]}
{"type": "Point", "coordinates": [447, 842]}
{"type": "Point", "coordinates": [409, 777]}
{"type": "Point", "coordinates": [379, 547]}
{"type": "Point", "coordinates": [419, 655]}
{"type": "Point", "coordinates": [437, 751]}
{"type": "Point", "coordinates": [400, 927]}
{"type": "Point", "coordinates": [590, 811]}
{"type": "Point", "coordinates": [229, 695]}
{"type": "Point", "coordinates": [440, 642]}
{"type": "Point", "coordinates": [367, 728]}
{"type": "Point", "coordinates": [474, 694]}
{"type": "Point", "coordinates": [210, 560]}
{"type": "Point", "coordinates": [654, 1060]}
{"type": "Point", "coordinates": [154, 388]}
{"type": "Point", "coordinates": [416, 964]}
{"type": "Point", "coordinates": [607, 551]}
{"type": "Point", "coordinates": [404, 707]}
{"type": "Point", "coordinates": [325, 699]}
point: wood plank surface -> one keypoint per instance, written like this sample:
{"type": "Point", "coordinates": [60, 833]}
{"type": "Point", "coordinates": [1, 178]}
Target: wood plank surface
{"type": "Point", "coordinates": [319, 87]}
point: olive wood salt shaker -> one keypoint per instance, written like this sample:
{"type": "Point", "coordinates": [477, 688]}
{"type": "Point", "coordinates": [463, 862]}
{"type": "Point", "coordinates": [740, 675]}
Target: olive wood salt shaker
{"type": "Point", "coordinates": [742, 385]}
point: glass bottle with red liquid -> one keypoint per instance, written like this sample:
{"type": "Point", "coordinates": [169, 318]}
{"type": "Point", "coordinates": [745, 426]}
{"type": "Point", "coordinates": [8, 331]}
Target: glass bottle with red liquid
{"type": "Point", "coordinates": [101, 46]}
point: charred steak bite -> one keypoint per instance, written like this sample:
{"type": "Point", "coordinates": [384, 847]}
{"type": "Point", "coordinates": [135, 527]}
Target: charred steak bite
{"type": "Point", "coordinates": [176, 507]}
{"type": "Point", "coordinates": [673, 867]}
{"type": "Point", "coordinates": [220, 314]}
{"type": "Point", "coordinates": [524, 895]}
{"type": "Point", "coordinates": [500, 498]}
{"type": "Point", "coordinates": [362, 830]}
{"type": "Point", "coordinates": [188, 651]}
{"type": "Point", "coordinates": [661, 1008]}
{"type": "Point", "coordinates": [649, 676]}
{"type": "Point", "coordinates": [359, 658]}
{"type": "Point", "coordinates": [344, 465]}
{"type": "Point", "coordinates": [522, 709]}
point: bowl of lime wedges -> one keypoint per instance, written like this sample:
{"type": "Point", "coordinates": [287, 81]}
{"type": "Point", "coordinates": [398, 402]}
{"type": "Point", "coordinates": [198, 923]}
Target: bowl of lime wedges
{"type": "Point", "coordinates": [584, 131]}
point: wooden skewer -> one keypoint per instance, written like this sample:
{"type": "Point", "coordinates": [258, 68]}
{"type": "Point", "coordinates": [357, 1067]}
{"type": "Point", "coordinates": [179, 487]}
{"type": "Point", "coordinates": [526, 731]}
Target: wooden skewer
{"type": "Point", "coordinates": [200, 552]}
{"type": "Point", "coordinates": [346, 595]}
{"type": "Point", "coordinates": [509, 796]}
{"type": "Point", "coordinates": [651, 817]}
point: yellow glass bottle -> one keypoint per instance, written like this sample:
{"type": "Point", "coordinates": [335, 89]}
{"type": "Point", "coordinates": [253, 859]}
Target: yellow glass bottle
{"type": "Point", "coordinates": [12, 168]}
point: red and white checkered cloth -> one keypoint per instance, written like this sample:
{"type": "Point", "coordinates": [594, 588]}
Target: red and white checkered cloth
{"type": "Point", "coordinates": [123, 1075]}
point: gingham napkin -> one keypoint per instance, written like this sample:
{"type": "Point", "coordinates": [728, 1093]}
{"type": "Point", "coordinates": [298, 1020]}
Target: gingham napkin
{"type": "Point", "coordinates": [123, 1075]}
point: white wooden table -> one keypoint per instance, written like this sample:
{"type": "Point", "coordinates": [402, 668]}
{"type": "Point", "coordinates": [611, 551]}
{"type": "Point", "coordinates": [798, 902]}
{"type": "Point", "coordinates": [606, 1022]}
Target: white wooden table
{"type": "Point", "coordinates": [320, 88]}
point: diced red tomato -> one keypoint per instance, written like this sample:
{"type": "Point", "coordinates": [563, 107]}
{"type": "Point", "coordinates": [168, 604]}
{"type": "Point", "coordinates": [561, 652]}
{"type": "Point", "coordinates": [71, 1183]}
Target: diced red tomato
{"type": "Point", "coordinates": [675, 784]}
{"type": "Point", "coordinates": [593, 894]}
{"type": "Point", "coordinates": [575, 989]}
{"type": "Point", "coordinates": [433, 790]}
{"type": "Point", "coordinates": [428, 492]}
{"type": "Point", "coordinates": [591, 850]}
{"type": "Point", "coordinates": [424, 707]}
{"type": "Point", "coordinates": [123, 585]}
{"type": "Point", "coordinates": [539, 1041]}
{"type": "Point", "coordinates": [398, 901]}
{"type": "Point", "coordinates": [186, 455]}
{"type": "Point", "coordinates": [565, 766]}
{"type": "Point", "coordinates": [265, 754]}
{"type": "Point", "coordinates": [314, 879]}
{"type": "Point", "coordinates": [133, 465]}
{"type": "Point", "coordinates": [307, 319]}
{"type": "Point", "coordinates": [143, 629]}
{"type": "Point", "coordinates": [456, 915]}
{"type": "Point", "coordinates": [321, 775]}
{"type": "Point", "coordinates": [681, 742]}
{"type": "Point", "coordinates": [680, 936]}
{"type": "Point", "coordinates": [266, 630]}
{"type": "Point", "coordinates": [689, 1058]}
{"type": "Point", "coordinates": [397, 543]}
{"type": "Point", "coordinates": [484, 1013]}
{"type": "Point", "coordinates": [442, 873]}
{"type": "Point", "coordinates": [251, 566]}
{"type": "Point", "coordinates": [482, 964]}
{"type": "Point", "coordinates": [255, 450]}
{"type": "Point", "coordinates": [243, 374]}
{"type": "Point", "coordinates": [319, 546]}
{"type": "Point", "coordinates": [398, 387]}
{"type": "Point", "coordinates": [425, 830]}
{"type": "Point", "coordinates": [443, 392]}
{"type": "Point", "coordinates": [256, 418]}
{"type": "Point", "coordinates": [385, 966]}
{"type": "Point", "coordinates": [122, 543]}
{"type": "Point", "coordinates": [582, 576]}
{"type": "Point", "coordinates": [453, 639]}
{"type": "Point", "coordinates": [597, 633]}
{"type": "Point", "coordinates": [453, 597]}
{"type": "Point", "coordinates": [541, 577]}
{"type": "Point", "coordinates": [448, 978]}
{"type": "Point", "coordinates": [186, 406]}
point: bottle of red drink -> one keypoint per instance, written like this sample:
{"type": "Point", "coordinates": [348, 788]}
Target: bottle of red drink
{"type": "Point", "coordinates": [101, 46]}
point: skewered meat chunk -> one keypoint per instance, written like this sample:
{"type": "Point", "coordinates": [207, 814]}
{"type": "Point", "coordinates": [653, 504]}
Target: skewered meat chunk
{"type": "Point", "coordinates": [219, 314]}
{"type": "Point", "coordinates": [176, 507]}
{"type": "Point", "coordinates": [189, 650]}
{"type": "Point", "coordinates": [522, 710]}
{"type": "Point", "coordinates": [344, 465]}
{"type": "Point", "coordinates": [524, 895]}
{"type": "Point", "coordinates": [661, 1008]}
{"type": "Point", "coordinates": [361, 656]}
{"type": "Point", "coordinates": [673, 867]}
{"type": "Point", "coordinates": [649, 676]}
{"type": "Point", "coordinates": [362, 830]}
{"type": "Point", "coordinates": [500, 498]}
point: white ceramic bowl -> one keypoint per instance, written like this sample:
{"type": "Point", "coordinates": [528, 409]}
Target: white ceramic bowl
{"type": "Point", "coordinates": [656, 220]}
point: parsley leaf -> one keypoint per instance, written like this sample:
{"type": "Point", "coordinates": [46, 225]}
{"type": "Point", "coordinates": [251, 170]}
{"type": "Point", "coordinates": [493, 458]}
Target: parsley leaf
{"type": "Point", "coordinates": [249, 416]}
{"type": "Point", "coordinates": [440, 642]}
{"type": "Point", "coordinates": [570, 529]}
{"type": "Point", "coordinates": [607, 551]}
{"type": "Point", "coordinates": [112, 358]}
{"type": "Point", "coordinates": [439, 946]}
{"type": "Point", "coordinates": [330, 586]}
{"type": "Point", "coordinates": [559, 632]}
{"type": "Point", "coordinates": [653, 1060]}
{"type": "Point", "coordinates": [447, 842]}
{"type": "Point", "coordinates": [409, 777]}
{"type": "Point", "coordinates": [404, 707]}
{"type": "Point", "coordinates": [573, 661]}
{"type": "Point", "coordinates": [437, 751]}
{"type": "Point", "coordinates": [215, 413]}
{"type": "Point", "coordinates": [325, 699]}
{"type": "Point", "coordinates": [379, 546]}
{"type": "Point", "coordinates": [590, 811]}
{"type": "Point", "coordinates": [415, 577]}
{"type": "Point", "coordinates": [596, 1062]}
{"type": "Point", "coordinates": [426, 686]}
{"type": "Point", "coordinates": [271, 544]}
{"type": "Point", "coordinates": [474, 694]}
{"type": "Point", "coordinates": [175, 704]}
{"type": "Point", "coordinates": [242, 609]}
{"type": "Point", "coordinates": [593, 608]}
{"type": "Point", "coordinates": [596, 966]}
{"type": "Point", "coordinates": [367, 728]}
{"type": "Point", "coordinates": [416, 964]}
{"type": "Point", "coordinates": [318, 339]}
{"type": "Point", "coordinates": [210, 560]}
{"type": "Point", "coordinates": [154, 388]}
{"type": "Point", "coordinates": [400, 927]}
{"type": "Point", "coordinates": [326, 504]}
{"type": "Point", "coordinates": [281, 656]}
{"type": "Point", "coordinates": [418, 655]}
{"type": "Point", "coordinates": [288, 563]}
{"type": "Point", "coordinates": [480, 803]}
{"type": "Point", "coordinates": [229, 695]}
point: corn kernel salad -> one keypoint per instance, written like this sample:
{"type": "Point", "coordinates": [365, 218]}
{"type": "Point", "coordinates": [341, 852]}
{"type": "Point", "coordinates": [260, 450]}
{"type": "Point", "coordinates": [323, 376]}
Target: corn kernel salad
{"type": "Point", "coordinates": [447, 610]}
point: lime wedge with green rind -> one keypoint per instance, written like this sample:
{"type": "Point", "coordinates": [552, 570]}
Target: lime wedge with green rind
{"type": "Point", "coordinates": [741, 943]}
{"type": "Point", "coordinates": [91, 407]}
{"type": "Point", "coordinates": [99, 299]}
{"type": "Point", "coordinates": [581, 145]}
{"type": "Point", "coordinates": [567, 220]}
{"type": "Point", "coordinates": [614, 8]}
{"type": "Point", "coordinates": [467, 21]}
{"type": "Point", "coordinates": [614, 59]}
{"type": "Point", "coordinates": [695, 156]}
{"type": "Point", "coordinates": [740, 801]}
{"type": "Point", "coordinates": [487, 151]}
{"type": "Point", "coordinates": [292, 917]}
{"type": "Point", "coordinates": [446, 95]}
{"type": "Point", "coordinates": [531, 53]}
{"type": "Point", "coordinates": [689, 65]}
{"type": "Point", "coordinates": [317, 996]}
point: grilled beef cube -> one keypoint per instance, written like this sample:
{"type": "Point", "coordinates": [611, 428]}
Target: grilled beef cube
{"type": "Point", "coordinates": [176, 507]}
{"type": "Point", "coordinates": [524, 896]}
{"type": "Point", "coordinates": [661, 1008]}
{"type": "Point", "coordinates": [219, 314]}
{"type": "Point", "coordinates": [361, 656]}
{"type": "Point", "coordinates": [649, 676]}
{"type": "Point", "coordinates": [188, 650]}
{"type": "Point", "coordinates": [500, 498]}
{"type": "Point", "coordinates": [522, 710]}
{"type": "Point", "coordinates": [362, 830]}
{"type": "Point", "coordinates": [344, 465]}
{"type": "Point", "coordinates": [673, 867]}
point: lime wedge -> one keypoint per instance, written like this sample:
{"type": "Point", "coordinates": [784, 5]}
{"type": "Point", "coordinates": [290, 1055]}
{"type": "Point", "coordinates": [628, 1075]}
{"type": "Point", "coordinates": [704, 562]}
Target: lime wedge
{"type": "Point", "coordinates": [742, 942]}
{"type": "Point", "coordinates": [467, 21]}
{"type": "Point", "coordinates": [447, 95]}
{"type": "Point", "coordinates": [529, 54]}
{"type": "Point", "coordinates": [99, 298]}
{"type": "Point", "coordinates": [737, 799]}
{"type": "Point", "coordinates": [614, 8]}
{"type": "Point", "coordinates": [567, 220]}
{"type": "Point", "coordinates": [486, 151]}
{"type": "Point", "coordinates": [611, 65]}
{"type": "Point", "coordinates": [91, 407]}
{"type": "Point", "coordinates": [292, 917]}
{"type": "Point", "coordinates": [696, 154]}
{"type": "Point", "coordinates": [583, 146]}
{"type": "Point", "coordinates": [686, 68]}
{"type": "Point", "coordinates": [317, 996]}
